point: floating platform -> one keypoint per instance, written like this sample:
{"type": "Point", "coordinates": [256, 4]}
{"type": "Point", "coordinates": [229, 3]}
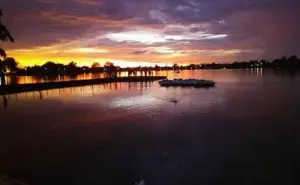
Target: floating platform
{"type": "Point", "coordinates": [10, 89]}
{"type": "Point", "coordinates": [187, 83]}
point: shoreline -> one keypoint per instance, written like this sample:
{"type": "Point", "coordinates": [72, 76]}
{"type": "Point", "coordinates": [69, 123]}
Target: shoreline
{"type": "Point", "coordinates": [11, 89]}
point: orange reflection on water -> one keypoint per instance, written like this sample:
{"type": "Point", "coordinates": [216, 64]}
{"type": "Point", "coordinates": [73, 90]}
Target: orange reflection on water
{"type": "Point", "coordinates": [84, 90]}
{"type": "Point", "coordinates": [13, 79]}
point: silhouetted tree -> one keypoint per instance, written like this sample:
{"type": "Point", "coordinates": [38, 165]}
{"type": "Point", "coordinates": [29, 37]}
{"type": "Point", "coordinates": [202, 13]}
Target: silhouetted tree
{"type": "Point", "coordinates": [110, 68]}
{"type": "Point", "coordinates": [72, 65]}
{"type": "Point", "coordinates": [10, 63]}
{"type": "Point", "coordinates": [192, 66]}
{"type": "Point", "coordinates": [95, 65]}
{"type": "Point", "coordinates": [4, 36]}
{"type": "Point", "coordinates": [293, 58]}
{"type": "Point", "coordinates": [2, 54]}
{"type": "Point", "coordinates": [109, 64]}
{"type": "Point", "coordinates": [4, 33]}
{"type": "Point", "coordinates": [175, 66]}
{"type": "Point", "coordinates": [52, 67]}
{"type": "Point", "coordinates": [72, 68]}
{"type": "Point", "coordinates": [49, 65]}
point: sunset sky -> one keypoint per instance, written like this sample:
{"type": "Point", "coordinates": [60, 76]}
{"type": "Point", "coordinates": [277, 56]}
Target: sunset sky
{"type": "Point", "coordinates": [149, 32]}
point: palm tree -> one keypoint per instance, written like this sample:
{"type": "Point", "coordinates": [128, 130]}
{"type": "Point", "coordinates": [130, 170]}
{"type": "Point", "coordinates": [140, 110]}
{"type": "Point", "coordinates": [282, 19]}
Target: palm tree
{"type": "Point", "coordinates": [6, 37]}
{"type": "Point", "coordinates": [4, 33]}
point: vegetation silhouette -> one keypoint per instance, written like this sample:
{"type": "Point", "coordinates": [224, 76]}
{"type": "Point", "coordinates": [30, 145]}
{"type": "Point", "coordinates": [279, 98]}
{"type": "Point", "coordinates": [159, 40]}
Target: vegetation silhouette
{"type": "Point", "coordinates": [291, 63]}
{"type": "Point", "coordinates": [10, 63]}
{"type": "Point", "coordinates": [4, 36]}
{"type": "Point", "coordinates": [95, 65]}
{"type": "Point", "coordinates": [2, 53]}
{"type": "Point", "coordinates": [4, 33]}
{"type": "Point", "coordinates": [110, 69]}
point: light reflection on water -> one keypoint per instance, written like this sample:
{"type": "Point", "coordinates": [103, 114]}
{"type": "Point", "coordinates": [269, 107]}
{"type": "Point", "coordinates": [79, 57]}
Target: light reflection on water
{"type": "Point", "coordinates": [122, 132]}
{"type": "Point", "coordinates": [171, 74]}
{"type": "Point", "coordinates": [41, 79]}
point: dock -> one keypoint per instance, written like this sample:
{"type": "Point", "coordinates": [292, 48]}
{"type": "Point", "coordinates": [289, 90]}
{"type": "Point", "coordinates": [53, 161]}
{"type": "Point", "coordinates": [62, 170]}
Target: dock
{"type": "Point", "coordinates": [19, 88]}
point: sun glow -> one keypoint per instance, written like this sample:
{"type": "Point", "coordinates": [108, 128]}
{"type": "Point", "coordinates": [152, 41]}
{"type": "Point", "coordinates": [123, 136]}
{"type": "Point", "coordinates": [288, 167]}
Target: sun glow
{"type": "Point", "coordinates": [87, 50]}
{"type": "Point", "coordinates": [145, 37]}
{"type": "Point", "coordinates": [135, 46]}
{"type": "Point", "coordinates": [151, 37]}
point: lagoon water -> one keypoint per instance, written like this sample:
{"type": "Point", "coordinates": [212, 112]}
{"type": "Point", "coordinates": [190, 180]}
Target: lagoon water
{"type": "Point", "coordinates": [243, 131]}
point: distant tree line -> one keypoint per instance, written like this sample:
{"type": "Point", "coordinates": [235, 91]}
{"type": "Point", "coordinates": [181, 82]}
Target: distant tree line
{"type": "Point", "coordinates": [290, 63]}
{"type": "Point", "coordinates": [53, 68]}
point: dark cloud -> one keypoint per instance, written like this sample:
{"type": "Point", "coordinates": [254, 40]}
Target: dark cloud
{"type": "Point", "coordinates": [140, 52]}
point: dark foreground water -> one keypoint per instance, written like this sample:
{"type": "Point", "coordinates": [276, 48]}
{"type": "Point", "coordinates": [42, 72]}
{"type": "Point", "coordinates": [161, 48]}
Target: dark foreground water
{"type": "Point", "coordinates": [243, 131]}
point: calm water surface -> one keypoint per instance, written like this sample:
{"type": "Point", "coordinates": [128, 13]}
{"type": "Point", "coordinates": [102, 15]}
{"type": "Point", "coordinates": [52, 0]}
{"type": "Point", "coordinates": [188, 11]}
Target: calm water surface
{"type": "Point", "coordinates": [13, 79]}
{"type": "Point", "coordinates": [243, 131]}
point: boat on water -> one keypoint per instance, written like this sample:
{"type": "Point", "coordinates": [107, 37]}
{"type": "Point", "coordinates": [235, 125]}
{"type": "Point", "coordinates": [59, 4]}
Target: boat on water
{"type": "Point", "coordinates": [187, 83]}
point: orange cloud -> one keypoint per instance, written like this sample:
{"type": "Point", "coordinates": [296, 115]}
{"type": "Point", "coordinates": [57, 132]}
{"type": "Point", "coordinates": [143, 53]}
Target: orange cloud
{"type": "Point", "coordinates": [81, 20]}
